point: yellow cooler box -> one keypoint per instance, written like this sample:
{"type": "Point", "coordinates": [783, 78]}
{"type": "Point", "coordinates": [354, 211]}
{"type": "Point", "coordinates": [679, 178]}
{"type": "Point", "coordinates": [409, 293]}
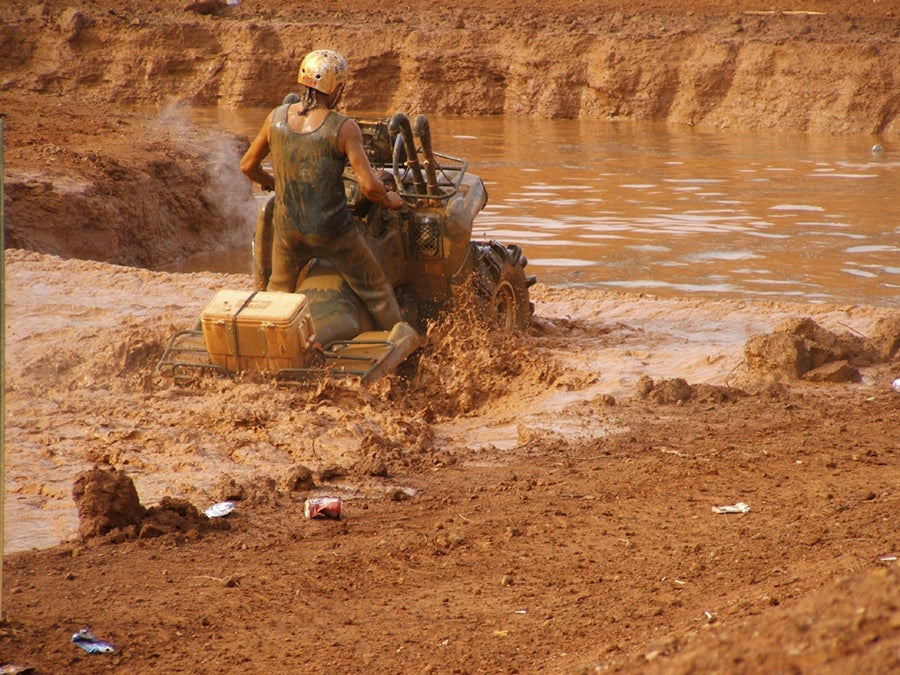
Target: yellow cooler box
{"type": "Point", "coordinates": [260, 331]}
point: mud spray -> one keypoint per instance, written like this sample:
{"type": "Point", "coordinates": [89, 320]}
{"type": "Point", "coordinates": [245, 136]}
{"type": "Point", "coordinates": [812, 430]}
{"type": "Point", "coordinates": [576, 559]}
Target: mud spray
{"type": "Point", "coordinates": [469, 365]}
{"type": "Point", "coordinates": [225, 188]}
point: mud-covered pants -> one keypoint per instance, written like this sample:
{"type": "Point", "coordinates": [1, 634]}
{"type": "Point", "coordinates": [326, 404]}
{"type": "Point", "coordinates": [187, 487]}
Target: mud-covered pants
{"type": "Point", "coordinates": [352, 258]}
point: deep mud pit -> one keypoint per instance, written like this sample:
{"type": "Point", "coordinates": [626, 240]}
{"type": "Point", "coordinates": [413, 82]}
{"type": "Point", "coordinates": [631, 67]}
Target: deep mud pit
{"type": "Point", "coordinates": [533, 503]}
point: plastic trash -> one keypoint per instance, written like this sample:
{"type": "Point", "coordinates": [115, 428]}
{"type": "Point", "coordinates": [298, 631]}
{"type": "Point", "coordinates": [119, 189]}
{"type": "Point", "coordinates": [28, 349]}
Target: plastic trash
{"type": "Point", "coordinates": [740, 507]}
{"type": "Point", "coordinates": [86, 640]}
{"type": "Point", "coordinates": [323, 507]}
{"type": "Point", "coordinates": [219, 510]}
{"type": "Point", "coordinates": [895, 385]}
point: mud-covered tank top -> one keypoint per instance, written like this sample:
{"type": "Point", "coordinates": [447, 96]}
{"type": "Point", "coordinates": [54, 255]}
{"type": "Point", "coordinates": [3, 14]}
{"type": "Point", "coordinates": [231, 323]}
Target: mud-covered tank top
{"type": "Point", "coordinates": [309, 188]}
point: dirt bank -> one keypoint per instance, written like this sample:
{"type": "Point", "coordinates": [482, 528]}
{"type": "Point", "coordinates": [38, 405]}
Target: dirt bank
{"type": "Point", "coordinates": [825, 66]}
{"type": "Point", "coordinates": [85, 169]}
{"type": "Point", "coordinates": [534, 503]}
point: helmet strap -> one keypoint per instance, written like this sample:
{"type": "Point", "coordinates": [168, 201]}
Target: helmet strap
{"type": "Point", "coordinates": [335, 96]}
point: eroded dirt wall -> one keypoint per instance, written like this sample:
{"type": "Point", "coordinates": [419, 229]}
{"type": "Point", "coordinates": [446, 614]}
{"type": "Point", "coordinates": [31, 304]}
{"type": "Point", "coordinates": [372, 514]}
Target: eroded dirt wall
{"type": "Point", "coordinates": [802, 70]}
{"type": "Point", "coordinates": [101, 165]}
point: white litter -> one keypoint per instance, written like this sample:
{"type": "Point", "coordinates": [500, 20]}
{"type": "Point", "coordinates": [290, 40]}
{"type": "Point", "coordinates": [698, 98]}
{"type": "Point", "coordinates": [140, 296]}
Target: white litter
{"type": "Point", "coordinates": [740, 507]}
{"type": "Point", "coordinates": [219, 510]}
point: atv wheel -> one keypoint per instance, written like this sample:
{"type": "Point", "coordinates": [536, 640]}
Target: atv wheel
{"type": "Point", "coordinates": [502, 282]}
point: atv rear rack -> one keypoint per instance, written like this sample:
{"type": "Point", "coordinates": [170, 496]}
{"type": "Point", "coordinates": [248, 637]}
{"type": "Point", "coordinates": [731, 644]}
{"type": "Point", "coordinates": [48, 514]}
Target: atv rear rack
{"type": "Point", "coordinates": [368, 357]}
{"type": "Point", "coordinates": [186, 351]}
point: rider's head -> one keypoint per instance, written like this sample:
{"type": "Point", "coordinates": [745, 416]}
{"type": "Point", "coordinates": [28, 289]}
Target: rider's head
{"type": "Point", "coordinates": [324, 71]}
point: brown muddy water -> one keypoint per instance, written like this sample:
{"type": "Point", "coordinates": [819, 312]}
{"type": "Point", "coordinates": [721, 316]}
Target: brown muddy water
{"type": "Point", "coordinates": [672, 211]}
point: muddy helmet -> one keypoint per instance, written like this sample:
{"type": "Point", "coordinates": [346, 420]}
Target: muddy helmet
{"type": "Point", "coordinates": [323, 70]}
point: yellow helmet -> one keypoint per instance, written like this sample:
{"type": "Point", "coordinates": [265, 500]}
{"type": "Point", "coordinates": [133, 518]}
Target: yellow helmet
{"type": "Point", "coordinates": [323, 70]}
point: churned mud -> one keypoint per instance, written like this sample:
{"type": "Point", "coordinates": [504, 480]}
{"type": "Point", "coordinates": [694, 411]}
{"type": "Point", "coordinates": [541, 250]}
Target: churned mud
{"type": "Point", "coordinates": [536, 502]}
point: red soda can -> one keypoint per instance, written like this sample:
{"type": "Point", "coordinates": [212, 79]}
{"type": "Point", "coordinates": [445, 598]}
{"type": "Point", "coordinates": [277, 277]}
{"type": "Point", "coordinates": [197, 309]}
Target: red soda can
{"type": "Point", "coordinates": [323, 507]}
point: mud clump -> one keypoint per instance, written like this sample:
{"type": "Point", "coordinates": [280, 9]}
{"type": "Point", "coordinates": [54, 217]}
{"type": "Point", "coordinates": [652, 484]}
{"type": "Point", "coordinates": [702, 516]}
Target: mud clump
{"type": "Point", "coordinates": [833, 371]}
{"type": "Point", "coordinates": [678, 391]}
{"type": "Point", "coordinates": [177, 517]}
{"type": "Point", "coordinates": [675, 390]}
{"type": "Point", "coordinates": [106, 500]}
{"type": "Point", "coordinates": [383, 455]}
{"type": "Point", "coordinates": [798, 348]}
{"type": "Point", "coordinates": [711, 393]}
{"type": "Point", "coordinates": [108, 507]}
{"type": "Point", "coordinates": [297, 478]}
{"type": "Point", "coordinates": [886, 337]}
{"type": "Point", "coordinates": [259, 489]}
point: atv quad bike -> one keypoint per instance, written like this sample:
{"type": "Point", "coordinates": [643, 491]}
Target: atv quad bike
{"type": "Point", "coordinates": [426, 251]}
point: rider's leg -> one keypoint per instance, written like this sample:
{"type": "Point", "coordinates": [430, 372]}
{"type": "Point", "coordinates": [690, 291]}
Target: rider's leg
{"type": "Point", "coordinates": [361, 270]}
{"type": "Point", "coordinates": [289, 257]}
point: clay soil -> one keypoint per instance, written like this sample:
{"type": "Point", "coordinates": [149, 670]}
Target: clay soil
{"type": "Point", "coordinates": [537, 502]}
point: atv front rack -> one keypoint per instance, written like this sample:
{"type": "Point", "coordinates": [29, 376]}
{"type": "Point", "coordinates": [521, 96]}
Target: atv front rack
{"type": "Point", "coordinates": [392, 145]}
{"type": "Point", "coordinates": [450, 176]}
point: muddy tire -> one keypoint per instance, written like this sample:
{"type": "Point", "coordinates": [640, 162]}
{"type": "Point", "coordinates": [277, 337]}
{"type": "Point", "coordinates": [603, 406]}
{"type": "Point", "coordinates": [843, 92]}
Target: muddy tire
{"type": "Point", "coordinates": [503, 285]}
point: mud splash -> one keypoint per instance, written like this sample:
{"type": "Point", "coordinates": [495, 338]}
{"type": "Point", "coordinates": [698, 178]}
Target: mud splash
{"type": "Point", "coordinates": [470, 366]}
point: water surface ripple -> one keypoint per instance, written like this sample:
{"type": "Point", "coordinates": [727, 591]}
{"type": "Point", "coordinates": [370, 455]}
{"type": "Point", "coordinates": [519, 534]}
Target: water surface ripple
{"type": "Point", "coordinates": [675, 211]}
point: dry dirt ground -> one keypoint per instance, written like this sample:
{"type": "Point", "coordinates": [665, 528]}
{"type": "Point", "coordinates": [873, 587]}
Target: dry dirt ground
{"type": "Point", "coordinates": [513, 503]}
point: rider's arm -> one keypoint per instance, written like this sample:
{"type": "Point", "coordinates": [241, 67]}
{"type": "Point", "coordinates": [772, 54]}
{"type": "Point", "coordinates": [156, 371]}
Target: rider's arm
{"type": "Point", "coordinates": [350, 142]}
{"type": "Point", "coordinates": [251, 162]}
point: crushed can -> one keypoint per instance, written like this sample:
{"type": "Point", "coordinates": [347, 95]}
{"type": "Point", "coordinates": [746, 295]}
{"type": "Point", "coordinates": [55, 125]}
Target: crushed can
{"type": "Point", "coordinates": [323, 507]}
